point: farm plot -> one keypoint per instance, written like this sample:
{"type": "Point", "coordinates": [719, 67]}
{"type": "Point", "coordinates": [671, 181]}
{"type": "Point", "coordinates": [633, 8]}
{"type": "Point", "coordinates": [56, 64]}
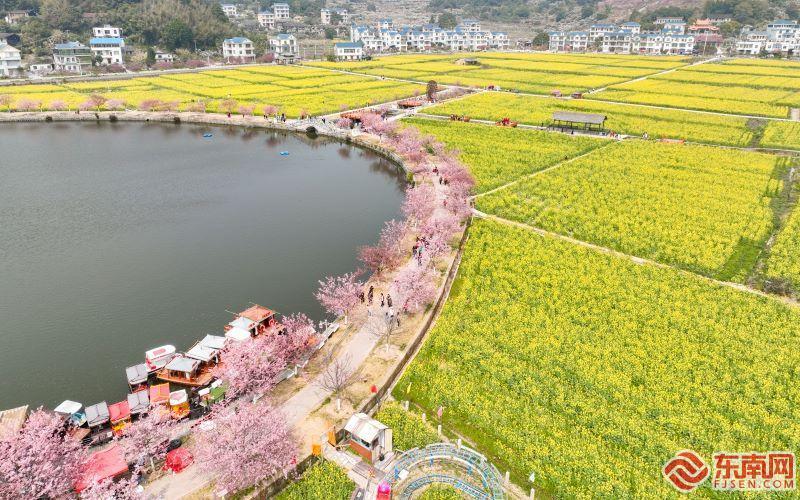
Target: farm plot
{"type": "Point", "coordinates": [783, 263]}
{"type": "Point", "coordinates": [534, 73]}
{"type": "Point", "coordinates": [497, 155]}
{"type": "Point", "coordinates": [735, 87]}
{"type": "Point", "coordinates": [701, 208]}
{"type": "Point", "coordinates": [633, 120]}
{"type": "Point", "coordinates": [781, 135]}
{"type": "Point", "coordinates": [592, 371]}
{"type": "Point", "coordinates": [291, 89]}
{"type": "Point", "coordinates": [324, 479]}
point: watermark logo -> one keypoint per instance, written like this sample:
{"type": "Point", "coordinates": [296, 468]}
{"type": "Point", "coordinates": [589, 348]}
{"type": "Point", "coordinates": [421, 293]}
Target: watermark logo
{"type": "Point", "coordinates": [686, 471]}
{"type": "Point", "coordinates": [754, 471]}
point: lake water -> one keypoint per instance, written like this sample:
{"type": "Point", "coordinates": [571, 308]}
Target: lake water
{"type": "Point", "coordinates": [117, 238]}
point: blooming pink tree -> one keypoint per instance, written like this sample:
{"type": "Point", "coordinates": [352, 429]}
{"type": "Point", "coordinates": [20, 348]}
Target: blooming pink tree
{"type": "Point", "coordinates": [251, 367]}
{"type": "Point", "coordinates": [245, 446]}
{"type": "Point", "coordinates": [269, 109]}
{"type": "Point", "coordinates": [115, 104]}
{"type": "Point", "coordinates": [339, 294]}
{"type": "Point", "coordinates": [40, 461]}
{"type": "Point", "coordinates": [227, 105]}
{"type": "Point", "coordinates": [150, 105]}
{"type": "Point", "coordinates": [147, 438]}
{"type": "Point", "coordinates": [109, 489]}
{"type": "Point", "coordinates": [58, 105]}
{"type": "Point", "coordinates": [85, 106]}
{"type": "Point", "coordinates": [299, 338]}
{"type": "Point", "coordinates": [246, 109]}
{"type": "Point", "coordinates": [439, 231]}
{"type": "Point", "coordinates": [419, 203]}
{"type": "Point", "coordinates": [197, 106]}
{"type": "Point", "coordinates": [388, 253]}
{"type": "Point", "coordinates": [28, 105]}
{"type": "Point", "coordinates": [96, 101]}
{"type": "Point", "coordinates": [416, 287]}
{"type": "Point", "coordinates": [344, 123]}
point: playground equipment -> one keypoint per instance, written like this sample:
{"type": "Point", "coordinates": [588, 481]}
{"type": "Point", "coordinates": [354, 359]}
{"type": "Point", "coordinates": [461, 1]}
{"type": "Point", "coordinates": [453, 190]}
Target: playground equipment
{"type": "Point", "coordinates": [476, 465]}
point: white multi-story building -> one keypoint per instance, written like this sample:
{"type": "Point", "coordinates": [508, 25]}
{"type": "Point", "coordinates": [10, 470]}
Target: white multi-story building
{"type": "Point", "coordinates": [230, 10]}
{"type": "Point", "coordinates": [781, 36]}
{"type": "Point", "coordinates": [106, 31]}
{"type": "Point", "coordinates": [326, 16]}
{"type": "Point", "coordinates": [623, 42]}
{"type": "Point", "coordinates": [631, 27]}
{"type": "Point", "coordinates": [569, 41]}
{"type": "Point", "coordinates": [266, 19]}
{"type": "Point", "coordinates": [470, 26]}
{"type": "Point", "coordinates": [599, 30]}
{"type": "Point", "coordinates": [10, 60]}
{"type": "Point", "coordinates": [348, 51]}
{"type": "Point", "coordinates": [109, 50]}
{"type": "Point", "coordinates": [72, 57]}
{"type": "Point", "coordinates": [675, 25]}
{"type": "Point", "coordinates": [281, 11]}
{"type": "Point", "coordinates": [284, 46]}
{"type": "Point", "coordinates": [239, 48]}
{"type": "Point", "coordinates": [386, 38]}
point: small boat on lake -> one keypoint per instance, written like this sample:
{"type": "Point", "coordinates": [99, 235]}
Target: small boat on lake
{"type": "Point", "coordinates": [157, 358]}
{"type": "Point", "coordinates": [184, 370]}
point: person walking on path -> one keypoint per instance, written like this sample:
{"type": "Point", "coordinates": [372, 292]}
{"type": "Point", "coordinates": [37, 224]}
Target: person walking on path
{"type": "Point", "coordinates": [388, 300]}
{"type": "Point", "coordinates": [369, 295]}
{"type": "Point", "coordinates": [383, 301]}
{"type": "Point", "coordinates": [361, 296]}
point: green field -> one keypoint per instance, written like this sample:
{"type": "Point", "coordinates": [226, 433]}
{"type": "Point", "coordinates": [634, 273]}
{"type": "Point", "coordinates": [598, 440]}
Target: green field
{"type": "Point", "coordinates": [702, 208]}
{"type": "Point", "coordinates": [498, 155]}
{"type": "Point", "coordinates": [323, 480]}
{"type": "Point", "coordinates": [624, 119]}
{"type": "Point", "coordinates": [592, 370]}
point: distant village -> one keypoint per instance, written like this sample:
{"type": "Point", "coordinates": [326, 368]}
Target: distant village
{"type": "Point", "coordinates": [672, 36]}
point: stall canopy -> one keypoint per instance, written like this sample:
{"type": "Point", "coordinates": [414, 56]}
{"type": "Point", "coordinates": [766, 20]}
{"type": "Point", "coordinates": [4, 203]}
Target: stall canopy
{"type": "Point", "coordinates": [97, 414]}
{"type": "Point", "coordinates": [119, 411]}
{"type": "Point", "coordinates": [136, 374]}
{"type": "Point", "coordinates": [159, 394]}
{"type": "Point", "coordinates": [102, 465]}
{"type": "Point", "coordinates": [178, 459]}
{"type": "Point", "coordinates": [213, 342]}
{"type": "Point", "coordinates": [201, 352]}
{"type": "Point", "coordinates": [237, 334]}
{"type": "Point", "coordinates": [11, 421]}
{"type": "Point", "coordinates": [139, 402]}
{"type": "Point", "coordinates": [183, 365]}
{"type": "Point", "coordinates": [72, 410]}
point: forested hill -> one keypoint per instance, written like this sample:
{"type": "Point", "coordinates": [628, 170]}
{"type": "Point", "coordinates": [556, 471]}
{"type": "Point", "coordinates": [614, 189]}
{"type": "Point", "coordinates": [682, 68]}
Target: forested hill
{"type": "Point", "coordinates": [170, 24]}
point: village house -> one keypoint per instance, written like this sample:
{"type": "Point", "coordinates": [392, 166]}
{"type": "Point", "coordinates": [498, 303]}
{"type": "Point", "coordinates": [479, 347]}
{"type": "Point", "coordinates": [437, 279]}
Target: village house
{"type": "Point", "coordinates": [266, 19]}
{"type": "Point", "coordinates": [238, 48]}
{"type": "Point", "coordinates": [348, 51]}
{"type": "Point", "coordinates": [780, 36]}
{"type": "Point", "coordinates": [326, 16]}
{"type": "Point", "coordinates": [385, 37]}
{"type": "Point", "coordinates": [572, 41]}
{"type": "Point", "coordinates": [229, 10]}
{"type": "Point", "coordinates": [284, 46]}
{"type": "Point", "coordinates": [281, 11]}
{"type": "Point", "coordinates": [106, 31]}
{"type": "Point", "coordinates": [10, 61]}
{"type": "Point", "coordinates": [16, 16]}
{"type": "Point", "coordinates": [72, 57]}
{"type": "Point", "coordinates": [108, 50]}
{"type": "Point", "coordinates": [162, 56]}
{"type": "Point", "coordinates": [674, 25]}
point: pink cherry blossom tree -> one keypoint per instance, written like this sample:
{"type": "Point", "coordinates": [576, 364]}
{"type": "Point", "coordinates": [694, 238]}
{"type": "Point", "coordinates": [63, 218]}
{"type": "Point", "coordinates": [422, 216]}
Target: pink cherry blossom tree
{"type": "Point", "coordinates": [28, 105]}
{"type": "Point", "coordinates": [299, 338]}
{"type": "Point", "coordinates": [115, 104]}
{"type": "Point", "coordinates": [96, 101]}
{"type": "Point", "coordinates": [197, 106]}
{"type": "Point", "coordinates": [419, 203]}
{"type": "Point", "coordinates": [109, 489]}
{"type": "Point", "coordinates": [245, 446]}
{"type": "Point", "coordinates": [40, 461]}
{"type": "Point", "coordinates": [416, 287]}
{"type": "Point", "coordinates": [269, 110]}
{"type": "Point", "coordinates": [150, 105]}
{"type": "Point", "coordinates": [146, 439]}
{"type": "Point", "coordinates": [58, 105]}
{"type": "Point", "coordinates": [339, 294]}
{"type": "Point", "coordinates": [250, 367]}
{"type": "Point", "coordinates": [388, 253]}
{"type": "Point", "coordinates": [246, 109]}
{"type": "Point", "coordinates": [344, 123]}
{"type": "Point", "coordinates": [227, 105]}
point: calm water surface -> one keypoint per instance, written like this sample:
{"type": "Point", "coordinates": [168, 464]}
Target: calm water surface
{"type": "Point", "coordinates": [116, 238]}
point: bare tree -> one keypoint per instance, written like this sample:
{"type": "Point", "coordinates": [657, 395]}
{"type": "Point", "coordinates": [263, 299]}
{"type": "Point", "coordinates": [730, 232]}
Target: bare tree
{"type": "Point", "coordinates": [383, 327]}
{"type": "Point", "coordinates": [337, 376]}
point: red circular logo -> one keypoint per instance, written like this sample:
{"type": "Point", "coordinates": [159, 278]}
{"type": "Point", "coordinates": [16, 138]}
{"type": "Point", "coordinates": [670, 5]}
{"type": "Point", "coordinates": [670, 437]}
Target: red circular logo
{"type": "Point", "coordinates": [686, 471]}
